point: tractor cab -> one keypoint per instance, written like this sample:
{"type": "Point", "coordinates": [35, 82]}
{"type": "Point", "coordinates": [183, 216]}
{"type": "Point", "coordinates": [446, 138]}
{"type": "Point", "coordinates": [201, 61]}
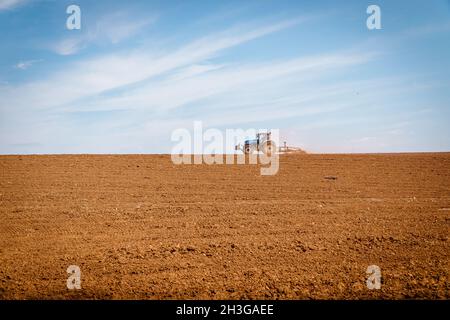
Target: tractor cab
{"type": "Point", "coordinates": [262, 137]}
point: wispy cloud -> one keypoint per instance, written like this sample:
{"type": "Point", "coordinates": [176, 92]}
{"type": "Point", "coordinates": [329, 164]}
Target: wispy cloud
{"type": "Point", "coordinates": [111, 28]}
{"type": "Point", "coordinates": [24, 65]}
{"type": "Point", "coordinates": [69, 46]}
{"type": "Point", "coordinates": [96, 75]}
{"type": "Point", "coordinates": [177, 90]}
{"type": "Point", "coordinates": [10, 4]}
{"type": "Point", "coordinates": [424, 30]}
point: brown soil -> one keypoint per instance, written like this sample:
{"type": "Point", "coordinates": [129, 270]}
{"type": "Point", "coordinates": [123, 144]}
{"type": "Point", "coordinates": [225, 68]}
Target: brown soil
{"type": "Point", "coordinates": [140, 227]}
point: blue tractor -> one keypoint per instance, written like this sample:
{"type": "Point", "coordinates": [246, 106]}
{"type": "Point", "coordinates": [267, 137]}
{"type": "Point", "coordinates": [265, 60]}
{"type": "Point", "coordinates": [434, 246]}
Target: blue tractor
{"type": "Point", "coordinates": [262, 143]}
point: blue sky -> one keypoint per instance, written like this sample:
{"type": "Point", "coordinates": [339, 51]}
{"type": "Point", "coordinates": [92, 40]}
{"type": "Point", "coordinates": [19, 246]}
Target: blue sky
{"type": "Point", "coordinates": [137, 70]}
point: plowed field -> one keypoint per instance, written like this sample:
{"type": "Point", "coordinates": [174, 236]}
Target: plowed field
{"type": "Point", "coordinates": [140, 227]}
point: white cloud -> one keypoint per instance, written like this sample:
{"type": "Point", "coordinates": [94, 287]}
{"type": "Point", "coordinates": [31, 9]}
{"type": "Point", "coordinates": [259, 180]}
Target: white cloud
{"type": "Point", "coordinates": [119, 26]}
{"type": "Point", "coordinates": [23, 65]}
{"type": "Point", "coordinates": [111, 28]}
{"type": "Point", "coordinates": [194, 70]}
{"type": "Point", "coordinates": [425, 30]}
{"type": "Point", "coordinates": [10, 4]}
{"type": "Point", "coordinates": [69, 46]}
{"type": "Point", "coordinates": [96, 75]}
{"type": "Point", "coordinates": [178, 90]}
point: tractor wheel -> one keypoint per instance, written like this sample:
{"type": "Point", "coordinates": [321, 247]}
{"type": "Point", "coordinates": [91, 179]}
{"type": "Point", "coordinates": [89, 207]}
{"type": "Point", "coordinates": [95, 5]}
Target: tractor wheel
{"type": "Point", "coordinates": [247, 150]}
{"type": "Point", "coordinates": [269, 148]}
